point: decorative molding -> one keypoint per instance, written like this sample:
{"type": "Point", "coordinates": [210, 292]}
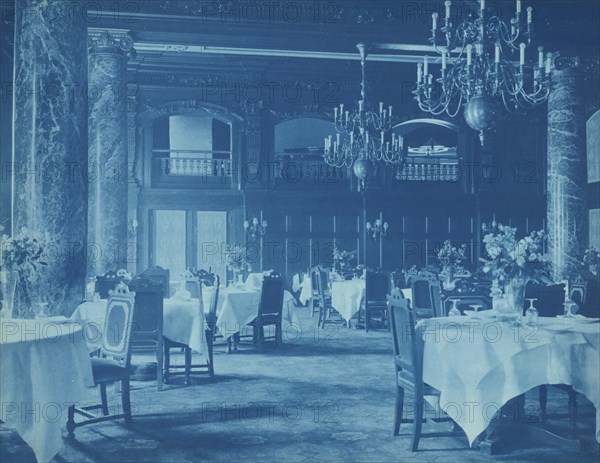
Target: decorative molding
{"type": "Point", "coordinates": [190, 106]}
{"type": "Point", "coordinates": [311, 110]}
{"type": "Point", "coordinates": [111, 41]}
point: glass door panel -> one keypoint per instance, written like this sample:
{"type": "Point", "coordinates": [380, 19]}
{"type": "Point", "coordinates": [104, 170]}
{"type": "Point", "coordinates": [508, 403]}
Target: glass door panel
{"type": "Point", "coordinates": [169, 242]}
{"type": "Point", "coordinates": [211, 242]}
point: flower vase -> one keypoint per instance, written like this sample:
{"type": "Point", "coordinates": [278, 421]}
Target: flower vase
{"type": "Point", "coordinates": [8, 286]}
{"type": "Point", "coordinates": [239, 281]}
{"type": "Point", "coordinates": [449, 284]}
{"type": "Point", "coordinates": [514, 297]}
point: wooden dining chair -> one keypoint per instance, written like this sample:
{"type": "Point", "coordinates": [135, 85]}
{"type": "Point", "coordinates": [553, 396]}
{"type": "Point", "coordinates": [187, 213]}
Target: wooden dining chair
{"type": "Point", "coordinates": [377, 287]}
{"type": "Point", "coordinates": [408, 362]}
{"type": "Point", "coordinates": [270, 311]}
{"type": "Point", "coordinates": [147, 334]}
{"type": "Point", "coordinates": [114, 361]}
{"type": "Point", "coordinates": [315, 300]}
{"type": "Point", "coordinates": [211, 321]}
{"type": "Point", "coordinates": [427, 297]}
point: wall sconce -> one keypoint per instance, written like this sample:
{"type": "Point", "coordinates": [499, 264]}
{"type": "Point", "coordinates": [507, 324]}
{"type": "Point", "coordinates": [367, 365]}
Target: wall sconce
{"type": "Point", "coordinates": [378, 229]}
{"type": "Point", "coordinates": [255, 228]}
{"type": "Point", "coordinates": [132, 226]}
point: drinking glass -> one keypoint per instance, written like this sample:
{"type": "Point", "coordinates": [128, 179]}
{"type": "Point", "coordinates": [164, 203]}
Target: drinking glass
{"type": "Point", "coordinates": [41, 310]}
{"type": "Point", "coordinates": [568, 307]}
{"type": "Point", "coordinates": [532, 315]}
{"type": "Point", "coordinates": [475, 308]}
{"type": "Point", "coordinates": [454, 312]}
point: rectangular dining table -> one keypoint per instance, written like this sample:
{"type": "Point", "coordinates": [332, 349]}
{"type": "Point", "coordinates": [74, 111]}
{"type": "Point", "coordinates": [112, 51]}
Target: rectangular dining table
{"type": "Point", "coordinates": [45, 368]}
{"type": "Point", "coordinates": [480, 364]}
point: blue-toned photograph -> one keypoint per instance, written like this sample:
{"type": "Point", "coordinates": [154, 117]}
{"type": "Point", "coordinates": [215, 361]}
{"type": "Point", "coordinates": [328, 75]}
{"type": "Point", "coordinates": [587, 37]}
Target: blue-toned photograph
{"type": "Point", "coordinates": [330, 231]}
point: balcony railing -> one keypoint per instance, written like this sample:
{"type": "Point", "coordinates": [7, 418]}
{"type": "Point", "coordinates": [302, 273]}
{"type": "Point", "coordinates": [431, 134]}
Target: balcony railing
{"type": "Point", "coordinates": [428, 172]}
{"type": "Point", "coordinates": [178, 167]}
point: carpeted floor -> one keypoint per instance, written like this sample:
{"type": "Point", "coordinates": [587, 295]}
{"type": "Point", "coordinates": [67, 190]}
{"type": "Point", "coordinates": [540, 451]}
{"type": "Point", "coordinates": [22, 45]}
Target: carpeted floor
{"type": "Point", "coordinates": [327, 395]}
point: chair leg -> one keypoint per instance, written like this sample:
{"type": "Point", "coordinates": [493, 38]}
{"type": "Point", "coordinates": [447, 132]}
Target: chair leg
{"type": "Point", "coordinates": [229, 341]}
{"type": "Point", "coordinates": [260, 338]}
{"type": "Point", "coordinates": [126, 399]}
{"type": "Point", "coordinates": [399, 409]}
{"type": "Point", "coordinates": [278, 335]}
{"type": "Point", "coordinates": [167, 363]}
{"type": "Point", "coordinates": [209, 344]}
{"type": "Point", "coordinates": [366, 320]}
{"type": "Point", "coordinates": [573, 411]}
{"type": "Point", "coordinates": [159, 364]}
{"type": "Point", "coordinates": [543, 399]}
{"type": "Point", "coordinates": [188, 364]}
{"type": "Point", "coordinates": [417, 421]}
{"type": "Point", "coordinates": [71, 422]}
{"type": "Point", "coordinates": [103, 399]}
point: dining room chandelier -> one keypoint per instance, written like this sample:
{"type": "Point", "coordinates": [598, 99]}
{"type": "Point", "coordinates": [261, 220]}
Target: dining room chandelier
{"type": "Point", "coordinates": [362, 135]}
{"type": "Point", "coordinates": [479, 68]}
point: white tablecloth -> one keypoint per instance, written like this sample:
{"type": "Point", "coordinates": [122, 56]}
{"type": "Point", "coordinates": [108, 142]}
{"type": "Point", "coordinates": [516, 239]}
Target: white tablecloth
{"type": "Point", "coordinates": [254, 281]}
{"type": "Point", "coordinates": [45, 367]}
{"type": "Point", "coordinates": [306, 293]}
{"type": "Point", "coordinates": [346, 296]}
{"type": "Point", "coordinates": [479, 365]}
{"type": "Point", "coordinates": [238, 306]}
{"type": "Point", "coordinates": [183, 322]}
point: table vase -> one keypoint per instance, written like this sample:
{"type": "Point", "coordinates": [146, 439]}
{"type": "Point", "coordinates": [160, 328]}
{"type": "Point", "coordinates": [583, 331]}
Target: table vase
{"type": "Point", "coordinates": [514, 300]}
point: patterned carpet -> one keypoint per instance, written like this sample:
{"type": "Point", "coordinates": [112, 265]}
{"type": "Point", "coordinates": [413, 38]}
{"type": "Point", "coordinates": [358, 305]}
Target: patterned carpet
{"type": "Point", "coordinates": [327, 396]}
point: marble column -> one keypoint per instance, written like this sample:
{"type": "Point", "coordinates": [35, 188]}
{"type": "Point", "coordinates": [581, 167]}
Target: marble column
{"type": "Point", "coordinates": [108, 150]}
{"type": "Point", "coordinates": [566, 203]}
{"type": "Point", "coordinates": [50, 141]}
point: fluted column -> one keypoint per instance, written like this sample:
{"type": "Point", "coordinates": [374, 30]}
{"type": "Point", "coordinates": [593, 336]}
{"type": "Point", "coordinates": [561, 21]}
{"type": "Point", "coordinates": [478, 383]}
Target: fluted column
{"type": "Point", "coordinates": [107, 150]}
{"type": "Point", "coordinates": [566, 169]}
{"type": "Point", "coordinates": [50, 141]}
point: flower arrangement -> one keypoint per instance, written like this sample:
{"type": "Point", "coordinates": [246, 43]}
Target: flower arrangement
{"type": "Point", "coordinates": [510, 258]}
{"type": "Point", "coordinates": [342, 259]}
{"type": "Point", "coordinates": [20, 256]}
{"type": "Point", "coordinates": [591, 259]}
{"type": "Point", "coordinates": [237, 258]}
{"type": "Point", "coordinates": [451, 256]}
{"type": "Point", "coordinates": [21, 253]}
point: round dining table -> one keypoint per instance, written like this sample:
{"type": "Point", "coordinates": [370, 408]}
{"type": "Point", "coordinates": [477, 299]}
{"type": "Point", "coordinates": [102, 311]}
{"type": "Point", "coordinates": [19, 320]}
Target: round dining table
{"type": "Point", "coordinates": [45, 368]}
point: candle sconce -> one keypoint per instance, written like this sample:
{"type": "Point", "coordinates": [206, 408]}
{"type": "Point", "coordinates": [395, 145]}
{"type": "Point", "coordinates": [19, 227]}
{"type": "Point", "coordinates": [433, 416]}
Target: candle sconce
{"type": "Point", "coordinates": [255, 228]}
{"type": "Point", "coordinates": [377, 229]}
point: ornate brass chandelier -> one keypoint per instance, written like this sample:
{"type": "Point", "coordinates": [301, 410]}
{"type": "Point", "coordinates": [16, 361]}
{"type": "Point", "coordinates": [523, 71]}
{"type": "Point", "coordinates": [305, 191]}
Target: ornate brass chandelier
{"type": "Point", "coordinates": [477, 68]}
{"type": "Point", "coordinates": [361, 138]}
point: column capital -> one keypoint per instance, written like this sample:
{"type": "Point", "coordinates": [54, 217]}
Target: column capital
{"type": "Point", "coordinates": [117, 41]}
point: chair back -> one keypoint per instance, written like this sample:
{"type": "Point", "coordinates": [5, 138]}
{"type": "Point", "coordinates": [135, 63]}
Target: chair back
{"type": "Point", "coordinates": [314, 278]}
{"type": "Point", "coordinates": [211, 319]}
{"type": "Point", "coordinates": [427, 295]}
{"type": "Point", "coordinates": [578, 290]}
{"type": "Point", "coordinates": [148, 314]}
{"type": "Point", "coordinates": [159, 274]}
{"type": "Point", "coordinates": [118, 324]}
{"type": "Point", "coordinates": [407, 346]}
{"type": "Point", "coordinates": [271, 297]}
{"type": "Point", "coordinates": [377, 286]}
